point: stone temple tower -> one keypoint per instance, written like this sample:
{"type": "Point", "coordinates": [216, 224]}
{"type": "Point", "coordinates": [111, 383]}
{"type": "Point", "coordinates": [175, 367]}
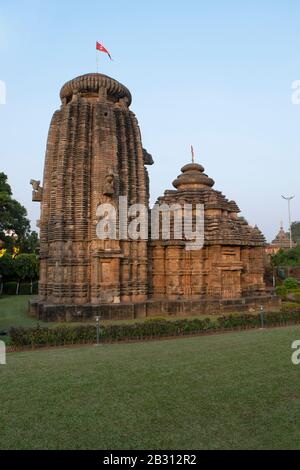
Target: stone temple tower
{"type": "Point", "coordinates": [94, 155]}
{"type": "Point", "coordinates": [231, 263]}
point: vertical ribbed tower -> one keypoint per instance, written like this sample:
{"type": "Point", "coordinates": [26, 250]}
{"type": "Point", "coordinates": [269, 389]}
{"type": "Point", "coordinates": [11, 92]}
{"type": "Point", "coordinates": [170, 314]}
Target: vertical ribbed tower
{"type": "Point", "coordinates": [94, 155]}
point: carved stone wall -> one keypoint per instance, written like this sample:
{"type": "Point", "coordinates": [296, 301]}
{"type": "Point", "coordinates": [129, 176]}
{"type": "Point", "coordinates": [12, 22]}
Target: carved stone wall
{"type": "Point", "coordinates": [231, 263]}
{"type": "Point", "coordinates": [94, 155]}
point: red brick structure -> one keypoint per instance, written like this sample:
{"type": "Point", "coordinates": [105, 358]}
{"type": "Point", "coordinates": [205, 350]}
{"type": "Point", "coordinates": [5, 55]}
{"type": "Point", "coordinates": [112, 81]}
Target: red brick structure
{"type": "Point", "coordinates": [95, 155]}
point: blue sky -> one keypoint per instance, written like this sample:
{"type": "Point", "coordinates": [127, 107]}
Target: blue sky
{"type": "Point", "coordinates": [215, 74]}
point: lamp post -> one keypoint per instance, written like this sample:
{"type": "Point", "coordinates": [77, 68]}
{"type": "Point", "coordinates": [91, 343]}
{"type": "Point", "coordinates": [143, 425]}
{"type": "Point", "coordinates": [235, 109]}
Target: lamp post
{"type": "Point", "coordinates": [98, 329]}
{"type": "Point", "coordinates": [288, 199]}
{"type": "Point", "coordinates": [262, 318]}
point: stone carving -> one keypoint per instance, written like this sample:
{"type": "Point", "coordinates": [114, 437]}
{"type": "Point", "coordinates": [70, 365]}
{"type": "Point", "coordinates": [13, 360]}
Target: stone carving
{"type": "Point", "coordinates": [123, 102]}
{"type": "Point", "coordinates": [37, 192]}
{"type": "Point", "coordinates": [109, 189]}
{"type": "Point", "coordinates": [69, 249]}
{"type": "Point", "coordinates": [148, 160]}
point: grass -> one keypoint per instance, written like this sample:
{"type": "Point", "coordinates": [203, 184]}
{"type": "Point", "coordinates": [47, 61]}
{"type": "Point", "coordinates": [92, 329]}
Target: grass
{"type": "Point", "coordinates": [233, 391]}
{"type": "Point", "coordinates": [13, 313]}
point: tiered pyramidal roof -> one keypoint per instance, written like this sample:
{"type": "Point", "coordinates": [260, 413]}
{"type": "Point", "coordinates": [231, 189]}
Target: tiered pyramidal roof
{"type": "Point", "coordinates": [222, 223]}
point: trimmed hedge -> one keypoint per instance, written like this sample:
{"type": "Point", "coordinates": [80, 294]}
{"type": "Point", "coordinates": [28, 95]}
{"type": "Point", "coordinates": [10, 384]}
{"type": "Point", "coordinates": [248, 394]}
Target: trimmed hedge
{"type": "Point", "coordinates": [288, 293]}
{"type": "Point", "coordinates": [282, 292]}
{"type": "Point", "coordinates": [290, 307]}
{"type": "Point", "coordinates": [291, 283]}
{"type": "Point", "coordinates": [25, 288]}
{"type": "Point", "coordinates": [84, 334]}
{"type": "Point", "coordinates": [10, 288]}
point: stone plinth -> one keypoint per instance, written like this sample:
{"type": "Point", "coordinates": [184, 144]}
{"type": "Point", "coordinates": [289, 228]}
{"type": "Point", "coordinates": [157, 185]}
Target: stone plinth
{"type": "Point", "coordinates": [151, 308]}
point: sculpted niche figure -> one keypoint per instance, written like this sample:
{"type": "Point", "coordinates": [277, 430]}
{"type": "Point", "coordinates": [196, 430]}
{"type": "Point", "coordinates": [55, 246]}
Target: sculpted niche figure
{"type": "Point", "coordinates": [109, 189]}
{"type": "Point", "coordinates": [37, 192]}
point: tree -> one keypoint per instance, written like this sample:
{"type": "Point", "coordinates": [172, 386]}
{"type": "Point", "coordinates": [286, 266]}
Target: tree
{"type": "Point", "coordinates": [296, 232]}
{"type": "Point", "coordinates": [4, 186]}
{"type": "Point", "coordinates": [26, 268]}
{"type": "Point", "coordinates": [30, 243]}
{"type": "Point", "coordinates": [7, 268]}
{"type": "Point", "coordinates": [14, 224]}
{"type": "Point", "coordinates": [287, 258]}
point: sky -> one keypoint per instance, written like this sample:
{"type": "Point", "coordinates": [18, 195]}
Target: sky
{"type": "Point", "coordinates": [216, 74]}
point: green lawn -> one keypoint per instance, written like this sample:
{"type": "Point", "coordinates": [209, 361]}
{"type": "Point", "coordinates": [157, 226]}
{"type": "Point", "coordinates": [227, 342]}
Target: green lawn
{"type": "Point", "coordinates": [231, 391]}
{"type": "Point", "coordinates": [13, 312]}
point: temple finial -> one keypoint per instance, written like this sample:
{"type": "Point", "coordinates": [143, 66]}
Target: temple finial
{"type": "Point", "coordinates": [193, 154]}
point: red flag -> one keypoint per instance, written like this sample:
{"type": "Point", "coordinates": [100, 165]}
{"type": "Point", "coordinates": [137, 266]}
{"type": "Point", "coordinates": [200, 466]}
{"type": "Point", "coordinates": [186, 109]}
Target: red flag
{"type": "Point", "coordinates": [101, 48]}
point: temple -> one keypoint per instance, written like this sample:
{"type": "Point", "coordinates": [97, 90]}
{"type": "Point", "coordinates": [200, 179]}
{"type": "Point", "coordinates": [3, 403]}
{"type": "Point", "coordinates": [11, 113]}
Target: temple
{"type": "Point", "coordinates": [95, 156]}
{"type": "Point", "coordinates": [231, 263]}
{"type": "Point", "coordinates": [281, 242]}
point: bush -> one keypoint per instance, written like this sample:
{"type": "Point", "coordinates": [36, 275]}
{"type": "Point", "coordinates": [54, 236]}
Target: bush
{"type": "Point", "coordinates": [10, 288]}
{"type": "Point", "coordinates": [288, 307]}
{"type": "Point", "coordinates": [291, 283]}
{"type": "Point", "coordinates": [155, 319]}
{"type": "Point", "coordinates": [7, 267]}
{"type": "Point", "coordinates": [287, 258]}
{"type": "Point", "coordinates": [26, 266]}
{"type": "Point", "coordinates": [296, 297]}
{"type": "Point", "coordinates": [282, 292]}
{"type": "Point", "coordinates": [25, 288]}
{"type": "Point", "coordinates": [81, 334]}
{"type": "Point", "coordinates": [58, 336]}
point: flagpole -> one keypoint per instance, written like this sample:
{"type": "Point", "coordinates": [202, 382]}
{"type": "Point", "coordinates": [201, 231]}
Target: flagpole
{"type": "Point", "coordinates": [193, 154]}
{"type": "Point", "coordinates": [97, 61]}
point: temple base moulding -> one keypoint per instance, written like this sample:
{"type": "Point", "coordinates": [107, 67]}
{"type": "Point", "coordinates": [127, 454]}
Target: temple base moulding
{"type": "Point", "coordinates": [150, 308]}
